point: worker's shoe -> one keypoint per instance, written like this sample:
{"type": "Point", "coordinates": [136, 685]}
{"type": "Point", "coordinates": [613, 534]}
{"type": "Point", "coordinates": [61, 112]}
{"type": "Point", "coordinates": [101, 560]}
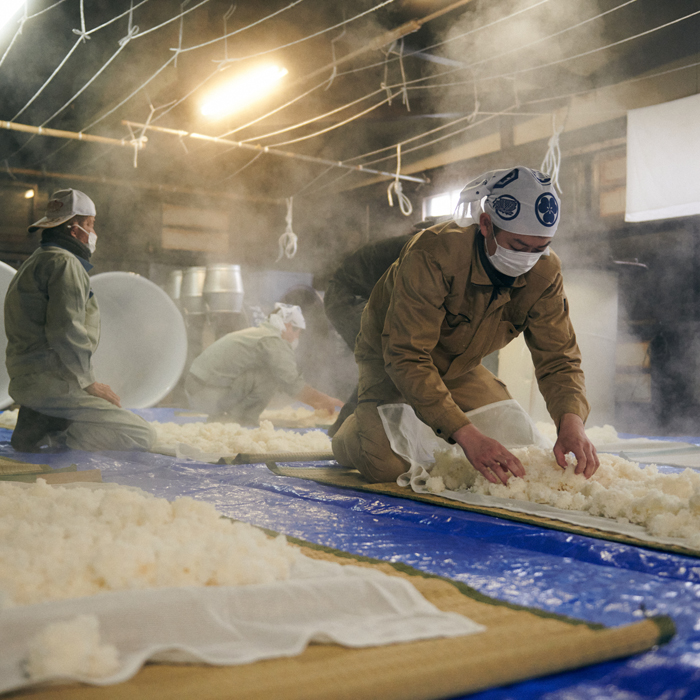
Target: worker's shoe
{"type": "Point", "coordinates": [32, 429]}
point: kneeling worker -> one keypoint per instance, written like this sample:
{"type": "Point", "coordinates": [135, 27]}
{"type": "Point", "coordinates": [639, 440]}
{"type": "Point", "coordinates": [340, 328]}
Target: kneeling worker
{"type": "Point", "coordinates": [237, 376]}
{"type": "Point", "coordinates": [52, 323]}
{"type": "Point", "coordinates": [454, 296]}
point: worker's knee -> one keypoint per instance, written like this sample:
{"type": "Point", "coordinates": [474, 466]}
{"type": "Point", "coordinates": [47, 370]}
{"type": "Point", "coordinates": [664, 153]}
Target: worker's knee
{"type": "Point", "coordinates": [368, 451]}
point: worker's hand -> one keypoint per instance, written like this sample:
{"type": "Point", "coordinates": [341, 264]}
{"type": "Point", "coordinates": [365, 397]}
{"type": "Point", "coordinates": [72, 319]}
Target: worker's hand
{"type": "Point", "coordinates": [329, 404]}
{"type": "Point", "coordinates": [573, 438]}
{"type": "Point", "coordinates": [487, 456]}
{"type": "Point", "coordinates": [102, 391]}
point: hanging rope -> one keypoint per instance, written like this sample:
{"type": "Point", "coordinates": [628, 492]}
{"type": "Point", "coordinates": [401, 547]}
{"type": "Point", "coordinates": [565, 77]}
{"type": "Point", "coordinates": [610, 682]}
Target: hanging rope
{"type": "Point", "coordinates": [288, 240]}
{"type": "Point", "coordinates": [179, 41]}
{"type": "Point", "coordinates": [396, 187]}
{"type": "Point", "coordinates": [552, 159]}
{"type": "Point", "coordinates": [335, 67]}
{"type": "Point", "coordinates": [384, 85]}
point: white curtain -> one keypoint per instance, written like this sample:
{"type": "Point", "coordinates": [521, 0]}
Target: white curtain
{"type": "Point", "coordinates": [663, 160]}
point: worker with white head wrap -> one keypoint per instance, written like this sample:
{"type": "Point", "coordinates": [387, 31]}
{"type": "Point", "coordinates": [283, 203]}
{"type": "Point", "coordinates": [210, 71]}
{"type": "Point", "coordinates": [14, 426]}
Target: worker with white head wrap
{"type": "Point", "coordinates": [236, 377]}
{"type": "Point", "coordinates": [52, 323]}
{"type": "Point", "coordinates": [460, 291]}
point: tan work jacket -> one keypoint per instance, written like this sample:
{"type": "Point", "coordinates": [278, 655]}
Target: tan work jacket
{"type": "Point", "coordinates": [431, 319]}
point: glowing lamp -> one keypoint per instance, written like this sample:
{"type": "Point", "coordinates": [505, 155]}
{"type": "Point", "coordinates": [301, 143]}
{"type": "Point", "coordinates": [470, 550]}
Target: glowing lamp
{"type": "Point", "coordinates": [7, 9]}
{"type": "Point", "coordinates": [242, 91]}
{"type": "Point", "coordinates": [29, 194]}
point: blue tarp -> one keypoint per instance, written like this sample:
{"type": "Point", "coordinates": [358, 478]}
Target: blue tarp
{"type": "Point", "coordinates": [572, 575]}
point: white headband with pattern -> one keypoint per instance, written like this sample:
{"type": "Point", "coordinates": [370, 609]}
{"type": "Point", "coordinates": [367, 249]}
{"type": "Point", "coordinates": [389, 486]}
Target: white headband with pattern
{"type": "Point", "coordinates": [519, 200]}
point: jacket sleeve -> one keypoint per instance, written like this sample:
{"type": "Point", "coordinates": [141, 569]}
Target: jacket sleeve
{"type": "Point", "coordinates": [68, 291]}
{"type": "Point", "coordinates": [411, 331]}
{"type": "Point", "coordinates": [555, 353]}
{"type": "Point", "coordinates": [278, 357]}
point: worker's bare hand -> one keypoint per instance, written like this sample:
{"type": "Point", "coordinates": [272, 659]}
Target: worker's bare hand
{"type": "Point", "coordinates": [329, 404]}
{"type": "Point", "coordinates": [102, 391]}
{"type": "Point", "coordinates": [488, 456]}
{"type": "Point", "coordinates": [573, 438]}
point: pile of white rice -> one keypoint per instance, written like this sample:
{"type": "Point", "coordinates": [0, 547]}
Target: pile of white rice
{"type": "Point", "coordinates": [298, 417]}
{"type": "Point", "coordinates": [58, 542]}
{"type": "Point", "coordinates": [233, 439]}
{"type": "Point", "coordinates": [666, 505]}
{"type": "Point", "coordinates": [8, 419]}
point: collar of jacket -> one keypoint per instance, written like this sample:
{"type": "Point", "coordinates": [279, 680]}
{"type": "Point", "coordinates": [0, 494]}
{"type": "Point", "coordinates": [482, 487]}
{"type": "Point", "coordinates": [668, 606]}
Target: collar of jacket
{"type": "Point", "coordinates": [60, 244]}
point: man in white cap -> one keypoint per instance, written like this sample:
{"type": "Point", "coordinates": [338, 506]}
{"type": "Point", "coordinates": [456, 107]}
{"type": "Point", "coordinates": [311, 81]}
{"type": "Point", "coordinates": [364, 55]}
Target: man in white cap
{"type": "Point", "coordinates": [52, 323]}
{"type": "Point", "coordinates": [455, 295]}
{"type": "Point", "coordinates": [235, 378]}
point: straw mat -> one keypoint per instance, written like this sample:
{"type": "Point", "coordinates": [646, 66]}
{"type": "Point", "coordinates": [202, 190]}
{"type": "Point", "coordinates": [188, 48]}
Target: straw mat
{"type": "Point", "coordinates": [351, 478]}
{"type": "Point", "coordinates": [519, 644]}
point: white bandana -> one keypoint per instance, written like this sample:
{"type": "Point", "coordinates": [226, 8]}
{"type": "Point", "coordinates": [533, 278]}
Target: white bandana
{"type": "Point", "coordinates": [289, 314]}
{"type": "Point", "coordinates": [519, 200]}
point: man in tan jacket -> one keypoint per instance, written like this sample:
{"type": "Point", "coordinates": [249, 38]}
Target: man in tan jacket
{"type": "Point", "coordinates": [455, 295]}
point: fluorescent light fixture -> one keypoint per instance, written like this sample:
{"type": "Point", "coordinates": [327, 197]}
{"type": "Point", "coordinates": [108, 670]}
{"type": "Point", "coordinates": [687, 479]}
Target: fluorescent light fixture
{"type": "Point", "coordinates": [29, 194]}
{"type": "Point", "coordinates": [242, 91]}
{"type": "Point", "coordinates": [8, 9]}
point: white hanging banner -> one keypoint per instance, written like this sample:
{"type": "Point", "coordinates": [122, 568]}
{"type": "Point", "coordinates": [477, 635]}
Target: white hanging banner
{"type": "Point", "coordinates": [663, 160]}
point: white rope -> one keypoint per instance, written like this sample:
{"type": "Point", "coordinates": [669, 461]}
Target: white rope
{"type": "Point", "coordinates": [552, 159]}
{"type": "Point", "coordinates": [179, 36]}
{"type": "Point", "coordinates": [288, 240]}
{"type": "Point", "coordinates": [334, 72]}
{"type": "Point", "coordinates": [292, 43]}
{"type": "Point", "coordinates": [396, 187]}
{"type": "Point", "coordinates": [335, 126]}
{"type": "Point", "coordinates": [227, 16]}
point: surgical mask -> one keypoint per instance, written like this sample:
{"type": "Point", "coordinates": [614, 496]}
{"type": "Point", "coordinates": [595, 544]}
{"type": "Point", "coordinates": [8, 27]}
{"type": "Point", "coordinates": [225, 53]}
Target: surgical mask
{"type": "Point", "coordinates": [92, 239]}
{"type": "Point", "coordinates": [513, 262]}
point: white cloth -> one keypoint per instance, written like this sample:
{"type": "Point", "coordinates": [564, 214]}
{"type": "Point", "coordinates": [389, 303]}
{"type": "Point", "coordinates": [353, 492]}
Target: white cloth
{"type": "Point", "coordinates": [289, 314]}
{"type": "Point", "coordinates": [519, 200]}
{"type": "Point", "coordinates": [323, 602]}
{"type": "Point", "coordinates": [663, 168]}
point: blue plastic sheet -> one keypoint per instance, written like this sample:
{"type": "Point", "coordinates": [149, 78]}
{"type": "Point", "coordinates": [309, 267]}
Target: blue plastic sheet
{"type": "Point", "coordinates": [568, 574]}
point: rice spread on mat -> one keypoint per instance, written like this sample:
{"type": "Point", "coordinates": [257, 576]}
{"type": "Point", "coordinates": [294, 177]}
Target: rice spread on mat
{"type": "Point", "coordinates": [231, 438]}
{"type": "Point", "coordinates": [299, 417]}
{"type": "Point", "coordinates": [58, 542]}
{"type": "Point", "coordinates": [666, 505]}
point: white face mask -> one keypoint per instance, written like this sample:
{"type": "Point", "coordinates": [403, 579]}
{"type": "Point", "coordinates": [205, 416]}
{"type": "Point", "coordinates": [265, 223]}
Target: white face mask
{"type": "Point", "coordinates": [92, 239]}
{"type": "Point", "coordinates": [513, 262]}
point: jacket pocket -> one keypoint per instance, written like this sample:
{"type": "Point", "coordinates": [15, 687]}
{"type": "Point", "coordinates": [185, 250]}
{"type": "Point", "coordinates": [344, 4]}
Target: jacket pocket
{"type": "Point", "coordinates": [505, 332]}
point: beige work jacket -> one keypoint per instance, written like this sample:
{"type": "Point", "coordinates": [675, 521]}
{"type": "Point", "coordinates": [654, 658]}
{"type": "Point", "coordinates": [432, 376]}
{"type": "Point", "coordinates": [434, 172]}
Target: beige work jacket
{"type": "Point", "coordinates": [431, 319]}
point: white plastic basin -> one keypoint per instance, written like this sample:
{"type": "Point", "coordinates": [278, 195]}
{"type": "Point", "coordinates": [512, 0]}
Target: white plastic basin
{"type": "Point", "coordinates": [143, 342]}
{"type": "Point", "coordinates": [6, 275]}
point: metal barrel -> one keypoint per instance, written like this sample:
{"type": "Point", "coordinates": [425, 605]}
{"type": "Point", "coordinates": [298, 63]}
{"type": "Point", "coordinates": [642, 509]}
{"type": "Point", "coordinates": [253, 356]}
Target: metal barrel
{"type": "Point", "coordinates": [192, 288]}
{"type": "Point", "coordinates": [173, 286]}
{"type": "Point", "coordinates": [223, 288]}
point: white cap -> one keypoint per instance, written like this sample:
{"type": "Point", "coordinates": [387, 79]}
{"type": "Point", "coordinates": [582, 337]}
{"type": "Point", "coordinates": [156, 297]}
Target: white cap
{"type": "Point", "coordinates": [64, 205]}
{"type": "Point", "coordinates": [290, 314]}
{"type": "Point", "coordinates": [520, 200]}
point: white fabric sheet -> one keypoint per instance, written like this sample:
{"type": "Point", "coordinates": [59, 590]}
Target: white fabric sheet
{"type": "Point", "coordinates": [663, 160]}
{"type": "Point", "coordinates": [324, 602]}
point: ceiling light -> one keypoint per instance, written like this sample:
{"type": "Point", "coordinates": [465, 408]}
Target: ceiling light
{"type": "Point", "coordinates": [7, 9]}
{"type": "Point", "coordinates": [242, 91]}
{"type": "Point", "coordinates": [29, 194]}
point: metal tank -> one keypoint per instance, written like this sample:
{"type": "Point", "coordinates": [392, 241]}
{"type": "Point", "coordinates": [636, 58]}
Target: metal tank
{"type": "Point", "coordinates": [192, 289]}
{"type": "Point", "coordinates": [223, 288]}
